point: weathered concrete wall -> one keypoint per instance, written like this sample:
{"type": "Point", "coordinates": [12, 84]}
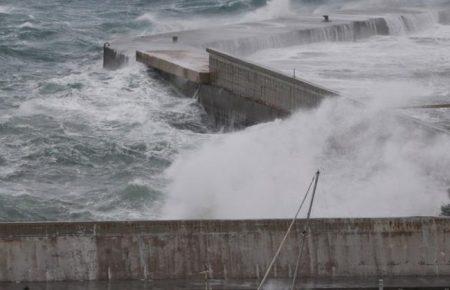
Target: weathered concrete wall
{"type": "Point", "coordinates": [263, 85]}
{"type": "Point", "coordinates": [233, 249]}
{"type": "Point", "coordinates": [230, 111]}
{"type": "Point", "coordinates": [225, 110]}
{"type": "Point", "coordinates": [235, 93]}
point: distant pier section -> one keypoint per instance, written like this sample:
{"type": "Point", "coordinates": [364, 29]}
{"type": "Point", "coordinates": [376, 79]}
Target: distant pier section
{"type": "Point", "coordinates": [233, 89]}
{"type": "Point", "coordinates": [210, 63]}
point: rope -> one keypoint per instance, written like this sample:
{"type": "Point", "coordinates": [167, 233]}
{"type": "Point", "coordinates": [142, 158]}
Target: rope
{"type": "Point", "coordinates": [285, 237]}
{"type": "Point", "coordinates": [305, 231]}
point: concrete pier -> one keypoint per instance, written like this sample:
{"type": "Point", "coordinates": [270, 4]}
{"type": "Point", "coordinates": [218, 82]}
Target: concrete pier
{"type": "Point", "coordinates": [235, 92]}
{"type": "Point", "coordinates": [241, 103]}
{"type": "Point", "coordinates": [262, 84]}
{"type": "Point", "coordinates": [245, 38]}
{"type": "Point", "coordinates": [230, 249]}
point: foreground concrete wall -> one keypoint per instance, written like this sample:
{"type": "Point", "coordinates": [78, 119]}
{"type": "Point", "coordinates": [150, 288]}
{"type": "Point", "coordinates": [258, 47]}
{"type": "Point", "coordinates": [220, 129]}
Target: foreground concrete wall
{"type": "Point", "coordinates": [238, 249]}
{"type": "Point", "coordinates": [263, 85]}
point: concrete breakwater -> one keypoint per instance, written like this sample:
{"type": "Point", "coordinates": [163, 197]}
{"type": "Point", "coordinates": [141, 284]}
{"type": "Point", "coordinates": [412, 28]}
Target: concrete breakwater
{"type": "Point", "coordinates": [237, 93]}
{"type": "Point", "coordinates": [245, 38]}
{"type": "Point", "coordinates": [229, 249]}
{"type": "Point", "coordinates": [262, 84]}
{"type": "Point", "coordinates": [241, 93]}
{"type": "Point", "coordinates": [234, 92]}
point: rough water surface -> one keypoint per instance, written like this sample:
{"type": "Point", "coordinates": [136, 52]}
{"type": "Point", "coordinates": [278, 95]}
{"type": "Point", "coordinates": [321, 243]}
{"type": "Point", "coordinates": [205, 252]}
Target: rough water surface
{"type": "Point", "coordinates": [81, 143]}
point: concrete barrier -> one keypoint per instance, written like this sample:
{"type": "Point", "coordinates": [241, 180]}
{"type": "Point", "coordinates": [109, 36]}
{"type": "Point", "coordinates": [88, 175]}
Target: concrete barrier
{"type": "Point", "coordinates": [229, 111]}
{"type": "Point", "coordinates": [235, 93]}
{"type": "Point", "coordinates": [231, 249]}
{"type": "Point", "coordinates": [263, 85]}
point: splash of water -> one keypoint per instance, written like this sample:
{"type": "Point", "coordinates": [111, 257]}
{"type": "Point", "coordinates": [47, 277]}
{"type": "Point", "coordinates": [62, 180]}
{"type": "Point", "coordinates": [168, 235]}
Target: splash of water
{"type": "Point", "coordinates": [5, 9]}
{"type": "Point", "coordinates": [273, 9]}
{"type": "Point", "coordinates": [78, 142]}
{"type": "Point", "coordinates": [371, 165]}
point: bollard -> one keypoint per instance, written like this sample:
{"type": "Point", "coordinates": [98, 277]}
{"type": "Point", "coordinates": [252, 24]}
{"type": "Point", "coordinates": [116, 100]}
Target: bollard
{"type": "Point", "coordinates": [380, 284]}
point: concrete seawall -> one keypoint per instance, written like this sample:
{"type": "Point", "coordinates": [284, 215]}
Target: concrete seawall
{"type": "Point", "coordinates": [241, 93]}
{"type": "Point", "coordinates": [231, 249]}
{"type": "Point", "coordinates": [235, 92]}
{"type": "Point", "coordinates": [263, 85]}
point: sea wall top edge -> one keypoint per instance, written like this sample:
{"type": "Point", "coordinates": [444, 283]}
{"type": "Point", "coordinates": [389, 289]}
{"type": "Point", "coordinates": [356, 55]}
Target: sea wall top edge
{"type": "Point", "coordinates": [18, 229]}
{"type": "Point", "coordinates": [270, 71]}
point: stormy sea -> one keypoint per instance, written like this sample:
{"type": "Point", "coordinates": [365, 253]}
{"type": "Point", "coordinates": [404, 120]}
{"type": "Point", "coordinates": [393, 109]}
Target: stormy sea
{"type": "Point", "coordinates": [78, 142]}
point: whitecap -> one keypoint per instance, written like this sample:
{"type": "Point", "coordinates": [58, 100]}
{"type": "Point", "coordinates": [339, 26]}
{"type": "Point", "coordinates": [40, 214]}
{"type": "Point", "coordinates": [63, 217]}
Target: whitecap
{"type": "Point", "coordinates": [27, 25]}
{"type": "Point", "coordinates": [4, 9]}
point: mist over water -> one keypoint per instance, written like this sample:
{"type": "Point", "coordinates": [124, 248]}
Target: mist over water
{"type": "Point", "coordinates": [78, 142]}
{"type": "Point", "coordinates": [372, 165]}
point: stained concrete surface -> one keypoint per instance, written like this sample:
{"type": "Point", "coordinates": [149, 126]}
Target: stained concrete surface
{"type": "Point", "coordinates": [230, 249]}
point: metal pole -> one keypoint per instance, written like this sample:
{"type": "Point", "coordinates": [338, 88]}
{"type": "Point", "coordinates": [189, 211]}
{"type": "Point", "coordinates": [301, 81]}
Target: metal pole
{"type": "Point", "coordinates": [305, 231]}
{"type": "Point", "coordinates": [285, 237]}
{"type": "Point", "coordinates": [313, 195]}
